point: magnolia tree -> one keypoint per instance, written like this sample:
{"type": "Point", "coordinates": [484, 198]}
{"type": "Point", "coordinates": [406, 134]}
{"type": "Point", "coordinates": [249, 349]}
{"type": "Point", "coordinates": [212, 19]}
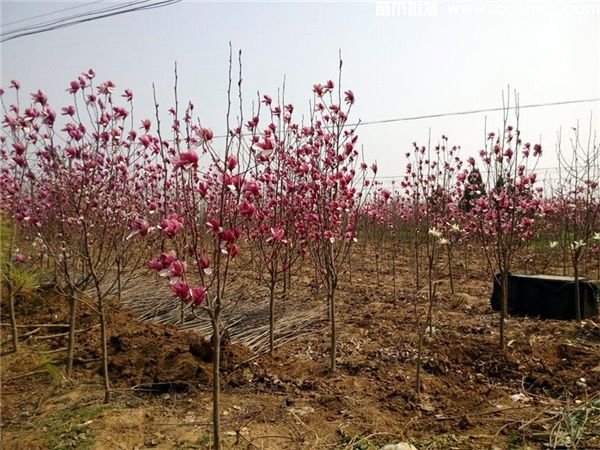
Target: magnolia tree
{"type": "Point", "coordinates": [503, 216]}
{"type": "Point", "coordinates": [379, 226]}
{"type": "Point", "coordinates": [272, 206]}
{"type": "Point", "coordinates": [432, 191]}
{"type": "Point", "coordinates": [239, 195]}
{"type": "Point", "coordinates": [83, 187]}
{"type": "Point", "coordinates": [333, 193]}
{"type": "Point", "coordinates": [577, 200]}
{"type": "Point", "coordinates": [435, 189]}
{"type": "Point", "coordinates": [15, 172]}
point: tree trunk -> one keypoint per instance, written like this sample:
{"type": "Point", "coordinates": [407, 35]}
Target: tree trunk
{"type": "Point", "coordinates": [13, 317]}
{"type": "Point", "coordinates": [272, 284]}
{"type": "Point", "coordinates": [216, 387]}
{"type": "Point", "coordinates": [331, 287]}
{"type": "Point", "coordinates": [377, 267]}
{"type": "Point", "coordinates": [72, 323]}
{"type": "Point", "coordinates": [419, 358]}
{"type": "Point", "coordinates": [430, 295]}
{"type": "Point", "coordinates": [420, 335]}
{"type": "Point", "coordinates": [417, 264]}
{"type": "Point", "coordinates": [394, 271]}
{"type": "Point", "coordinates": [504, 309]}
{"type": "Point", "coordinates": [577, 293]}
{"type": "Point", "coordinates": [350, 268]}
{"type": "Point", "coordinates": [11, 288]}
{"type": "Point", "coordinates": [450, 270]}
{"type": "Point", "coordinates": [104, 350]}
{"type": "Point", "coordinates": [119, 281]}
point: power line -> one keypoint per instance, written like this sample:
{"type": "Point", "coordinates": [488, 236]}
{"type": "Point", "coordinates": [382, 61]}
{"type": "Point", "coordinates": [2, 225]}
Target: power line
{"type": "Point", "coordinates": [459, 113]}
{"type": "Point", "coordinates": [77, 16]}
{"type": "Point", "coordinates": [76, 20]}
{"type": "Point", "coordinates": [475, 111]}
{"type": "Point", "coordinates": [51, 13]}
{"type": "Point", "coordinates": [537, 169]}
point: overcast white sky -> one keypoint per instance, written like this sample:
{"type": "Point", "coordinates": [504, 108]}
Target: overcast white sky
{"type": "Point", "coordinates": [400, 58]}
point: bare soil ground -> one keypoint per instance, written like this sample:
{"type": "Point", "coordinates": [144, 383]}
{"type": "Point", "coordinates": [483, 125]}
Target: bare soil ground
{"type": "Point", "coordinates": [544, 392]}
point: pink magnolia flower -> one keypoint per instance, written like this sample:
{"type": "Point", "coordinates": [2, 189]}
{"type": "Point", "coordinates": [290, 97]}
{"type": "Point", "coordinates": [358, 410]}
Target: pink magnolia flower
{"type": "Point", "coordinates": [19, 148]}
{"type": "Point", "coordinates": [128, 95]}
{"type": "Point", "coordinates": [49, 117]}
{"type": "Point", "coordinates": [141, 226]}
{"type": "Point", "coordinates": [264, 148]}
{"type": "Point", "coordinates": [168, 258]}
{"type": "Point", "coordinates": [177, 269]}
{"type": "Point", "coordinates": [228, 236]}
{"type": "Point", "coordinates": [234, 183]}
{"type": "Point", "coordinates": [146, 124]}
{"type": "Point", "coordinates": [199, 294]}
{"type": "Point", "coordinates": [276, 235]}
{"type": "Point", "coordinates": [232, 162]}
{"type": "Point", "coordinates": [349, 97]}
{"type": "Point", "coordinates": [203, 188]}
{"type": "Point", "coordinates": [172, 225]}
{"type": "Point", "coordinates": [214, 225]}
{"type": "Point", "coordinates": [526, 222]}
{"type": "Point", "coordinates": [155, 264]}
{"type": "Point", "coordinates": [186, 159]}
{"type": "Point", "coordinates": [204, 265]}
{"type": "Point", "coordinates": [15, 84]}
{"type": "Point", "coordinates": [529, 234]}
{"type": "Point", "coordinates": [74, 86]}
{"type": "Point", "coordinates": [68, 111]}
{"type": "Point", "coordinates": [181, 289]}
{"type": "Point", "coordinates": [20, 160]}
{"type": "Point", "coordinates": [20, 257]}
{"type": "Point", "coordinates": [253, 188]}
{"type": "Point", "coordinates": [39, 97]}
{"type": "Point", "coordinates": [207, 134]}
{"type": "Point", "coordinates": [247, 209]}
{"type": "Point", "coordinates": [120, 113]}
{"type": "Point", "coordinates": [235, 250]}
{"type": "Point", "coordinates": [106, 87]}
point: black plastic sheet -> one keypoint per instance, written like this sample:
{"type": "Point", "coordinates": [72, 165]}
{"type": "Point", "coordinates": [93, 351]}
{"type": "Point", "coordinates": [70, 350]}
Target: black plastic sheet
{"type": "Point", "coordinates": [547, 297]}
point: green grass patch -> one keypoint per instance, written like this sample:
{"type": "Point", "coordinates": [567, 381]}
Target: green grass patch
{"type": "Point", "coordinates": [440, 442]}
{"type": "Point", "coordinates": [70, 428]}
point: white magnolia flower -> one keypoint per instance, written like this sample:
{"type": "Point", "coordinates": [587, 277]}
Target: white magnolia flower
{"type": "Point", "coordinates": [596, 236]}
{"type": "Point", "coordinates": [455, 227]}
{"type": "Point", "coordinates": [435, 232]}
{"type": "Point", "coordinates": [553, 244]}
{"type": "Point", "coordinates": [577, 245]}
{"type": "Point", "coordinates": [444, 241]}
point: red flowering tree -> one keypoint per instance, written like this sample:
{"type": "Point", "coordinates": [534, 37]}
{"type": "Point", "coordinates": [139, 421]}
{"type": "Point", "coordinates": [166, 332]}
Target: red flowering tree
{"type": "Point", "coordinates": [82, 193]}
{"type": "Point", "coordinates": [333, 192]}
{"type": "Point", "coordinates": [577, 201]}
{"type": "Point", "coordinates": [503, 217]}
